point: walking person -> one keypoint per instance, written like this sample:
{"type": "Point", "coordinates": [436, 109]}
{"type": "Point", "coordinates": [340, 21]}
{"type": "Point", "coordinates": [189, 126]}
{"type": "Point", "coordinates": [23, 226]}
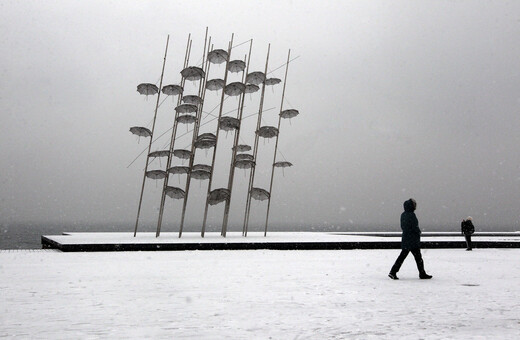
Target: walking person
{"type": "Point", "coordinates": [410, 242]}
{"type": "Point", "coordinates": [467, 229]}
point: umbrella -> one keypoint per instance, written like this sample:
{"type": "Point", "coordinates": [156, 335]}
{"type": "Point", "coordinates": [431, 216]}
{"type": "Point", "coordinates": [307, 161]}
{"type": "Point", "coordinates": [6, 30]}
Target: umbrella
{"type": "Point", "coordinates": [175, 193]}
{"type": "Point", "coordinates": [215, 84]}
{"type": "Point", "coordinates": [244, 164]}
{"type": "Point", "coordinates": [206, 141]}
{"type": "Point", "coordinates": [251, 88]}
{"type": "Point", "coordinates": [192, 73]}
{"type": "Point", "coordinates": [183, 154]}
{"type": "Point", "coordinates": [217, 56]}
{"type": "Point", "coordinates": [140, 131]}
{"type": "Point", "coordinates": [147, 89]}
{"type": "Point", "coordinates": [156, 174]}
{"type": "Point", "coordinates": [229, 123]}
{"type": "Point", "coordinates": [282, 164]}
{"type": "Point", "coordinates": [259, 194]}
{"type": "Point", "coordinates": [272, 81]}
{"type": "Point", "coordinates": [255, 78]}
{"type": "Point", "coordinates": [218, 195]}
{"type": "Point", "coordinates": [243, 148]}
{"type": "Point", "coordinates": [161, 153]}
{"type": "Point", "coordinates": [244, 157]}
{"type": "Point", "coordinates": [186, 108]}
{"type": "Point", "coordinates": [200, 174]}
{"type": "Point", "coordinates": [234, 89]}
{"type": "Point", "coordinates": [236, 66]}
{"type": "Point", "coordinates": [267, 132]}
{"type": "Point", "coordinates": [195, 100]}
{"type": "Point", "coordinates": [289, 113]}
{"type": "Point", "coordinates": [172, 90]}
{"type": "Point", "coordinates": [177, 170]}
{"type": "Point", "coordinates": [202, 167]}
{"type": "Point", "coordinates": [186, 119]}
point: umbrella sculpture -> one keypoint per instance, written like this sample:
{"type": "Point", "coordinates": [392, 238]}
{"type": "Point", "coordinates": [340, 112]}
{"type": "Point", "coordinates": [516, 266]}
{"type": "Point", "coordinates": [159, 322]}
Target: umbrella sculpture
{"type": "Point", "coordinates": [229, 123]}
{"type": "Point", "coordinates": [236, 66]}
{"type": "Point", "coordinates": [243, 148]}
{"type": "Point", "coordinates": [206, 141]}
{"type": "Point", "coordinates": [201, 171]}
{"type": "Point", "coordinates": [267, 132]}
{"type": "Point", "coordinates": [147, 89]}
{"type": "Point", "coordinates": [172, 90]}
{"type": "Point", "coordinates": [160, 153]}
{"type": "Point", "coordinates": [195, 100]}
{"type": "Point", "coordinates": [215, 84]}
{"type": "Point", "coordinates": [289, 113]}
{"type": "Point", "coordinates": [244, 164]}
{"type": "Point", "coordinates": [174, 192]}
{"type": "Point", "coordinates": [251, 88]}
{"type": "Point", "coordinates": [141, 131]}
{"type": "Point", "coordinates": [255, 78]}
{"type": "Point", "coordinates": [244, 157]}
{"type": "Point", "coordinates": [186, 108]}
{"type": "Point", "coordinates": [192, 73]}
{"type": "Point", "coordinates": [217, 56]}
{"type": "Point", "coordinates": [282, 165]}
{"type": "Point", "coordinates": [218, 195]}
{"type": "Point", "coordinates": [234, 89]}
{"type": "Point", "coordinates": [178, 170]}
{"type": "Point", "coordinates": [156, 174]}
{"type": "Point", "coordinates": [182, 154]}
{"type": "Point", "coordinates": [203, 167]}
{"type": "Point", "coordinates": [187, 119]}
{"type": "Point", "coordinates": [272, 81]}
{"type": "Point", "coordinates": [259, 194]}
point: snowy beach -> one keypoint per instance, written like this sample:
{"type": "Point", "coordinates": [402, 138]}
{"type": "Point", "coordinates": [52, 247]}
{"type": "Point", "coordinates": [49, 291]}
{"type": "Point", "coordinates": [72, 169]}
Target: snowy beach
{"type": "Point", "coordinates": [259, 295]}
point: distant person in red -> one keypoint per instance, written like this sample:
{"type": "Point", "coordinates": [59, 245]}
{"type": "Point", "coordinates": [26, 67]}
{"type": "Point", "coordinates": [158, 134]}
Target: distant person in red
{"type": "Point", "coordinates": [410, 242]}
{"type": "Point", "coordinates": [467, 229]}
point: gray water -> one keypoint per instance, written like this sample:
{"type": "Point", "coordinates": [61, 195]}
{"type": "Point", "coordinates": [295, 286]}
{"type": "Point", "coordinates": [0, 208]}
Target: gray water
{"type": "Point", "coordinates": [28, 235]}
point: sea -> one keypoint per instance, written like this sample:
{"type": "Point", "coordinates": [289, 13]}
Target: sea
{"type": "Point", "coordinates": [28, 235]}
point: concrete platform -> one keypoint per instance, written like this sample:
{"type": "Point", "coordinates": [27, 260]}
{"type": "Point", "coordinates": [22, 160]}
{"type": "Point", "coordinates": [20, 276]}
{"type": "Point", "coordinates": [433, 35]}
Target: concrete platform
{"type": "Point", "coordinates": [91, 242]}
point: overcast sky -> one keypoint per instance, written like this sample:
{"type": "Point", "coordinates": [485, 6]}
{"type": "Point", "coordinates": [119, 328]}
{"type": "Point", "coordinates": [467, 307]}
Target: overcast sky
{"type": "Point", "coordinates": [397, 99]}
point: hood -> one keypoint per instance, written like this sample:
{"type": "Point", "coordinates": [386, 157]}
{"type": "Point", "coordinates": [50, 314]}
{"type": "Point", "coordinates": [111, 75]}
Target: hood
{"type": "Point", "coordinates": [409, 206]}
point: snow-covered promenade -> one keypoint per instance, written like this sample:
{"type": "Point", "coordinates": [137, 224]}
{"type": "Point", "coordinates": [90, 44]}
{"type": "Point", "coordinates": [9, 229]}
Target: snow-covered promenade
{"type": "Point", "coordinates": [259, 294]}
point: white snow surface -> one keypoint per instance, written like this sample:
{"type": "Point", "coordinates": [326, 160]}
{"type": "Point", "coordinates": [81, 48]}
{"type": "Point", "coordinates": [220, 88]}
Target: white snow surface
{"type": "Point", "coordinates": [259, 294]}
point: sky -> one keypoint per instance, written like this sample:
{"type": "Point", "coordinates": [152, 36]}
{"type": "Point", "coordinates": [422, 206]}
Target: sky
{"type": "Point", "coordinates": [397, 100]}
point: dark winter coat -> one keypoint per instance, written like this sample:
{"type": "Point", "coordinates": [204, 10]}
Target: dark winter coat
{"type": "Point", "coordinates": [410, 225]}
{"type": "Point", "coordinates": [467, 227]}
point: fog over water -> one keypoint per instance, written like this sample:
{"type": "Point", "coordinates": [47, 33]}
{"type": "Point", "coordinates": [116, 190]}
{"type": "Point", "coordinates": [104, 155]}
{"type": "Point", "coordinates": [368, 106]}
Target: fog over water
{"type": "Point", "coordinates": [397, 99]}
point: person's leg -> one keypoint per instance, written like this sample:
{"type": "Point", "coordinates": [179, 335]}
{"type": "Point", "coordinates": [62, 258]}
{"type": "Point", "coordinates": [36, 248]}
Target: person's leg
{"type": "Point", "coordinates": [420, 264]}
{"type": "Point", "coordinates": [468, 242]}
{"type": "Point", "coordinates": [399, 261]}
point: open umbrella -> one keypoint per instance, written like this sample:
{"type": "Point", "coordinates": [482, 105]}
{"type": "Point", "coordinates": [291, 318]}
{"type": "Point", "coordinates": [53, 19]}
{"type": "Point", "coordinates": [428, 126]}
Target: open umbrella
{"type": "Point", "coordinates": [202, 167]}
{"type": "Point", "coordinates": [267, 132]}
{"type": "Point", "coordinates": [187, 119]}
{"type": "Point", "coordinates": [282, 164]}
{"type": "Point", "coordinates": [215, 84]}
{"type": "Point", "coordinates": [206, 141]}
{"type": "Point", "coordinates": [140, 131]}
{"type": "Point", "coordinates": [272, 81]}
{"type": "Point", "coordinates": [186, 108]}
{"type": "Point", "coordinates": [178, 170]}
{"type": "Point", "coordinates": [255, 78]}
{"type": "Point", "coordinates": [200, 174]}
{"type": "Point", "coordinates": [195, 100]}
{"type": "Point", "coordinates": [236, 66]}
{"type": "Point", "coordinates": [175, 193]}
{"type": "Point", "coordinates": [289, 113]}
{"type": "Point", "coordinates": [192, 73]}
{"type": "Point", "coordinates": [218, 195]}
{"type": "Point", "coordinates": [259, 194]}
{"type": "Point", "coordinates": [147, 89]}
{"type": "Point", "coordinates": [160, 153]}
{"type": "Point", "coordinates": [217, 56]}
{"type": "Point", "coordinates": [251, 88]}
{"type": "Point", "coordinates": [182, 154]}
{"type": "Point", "coordinates": [229, 123]}
{"type": "Point", "coordinates": [244, 164]}
{"type": "Point", "coordinates": [244, 157]}
{"type": "Point", "coordinates": [172, 90]}
{"type": "Point", "coordinates": [243, 148]}
{"type": "Point", "coordinates": [156, 174]}
{"type": "Point", "coordinates": [234, 89]}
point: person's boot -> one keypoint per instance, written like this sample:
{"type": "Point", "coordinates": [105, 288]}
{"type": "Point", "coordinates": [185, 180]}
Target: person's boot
{"type": "Point", "coordinates": [424, 276]}
{"type": "Point", "coordinates": [393, 276]}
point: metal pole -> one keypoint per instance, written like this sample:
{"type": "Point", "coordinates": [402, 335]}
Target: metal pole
{"type": "Point", "coordinates": [276, 145]}
{"type": "Point", "coordinates": [172, 142]}
{"type": "Point", "coordinates": [202, 89]}
{"type": "Point", "coordinates": [255, 149]}
{"type": "Point", "coordinates": [203, 231]}
{"type": "Point", "coordinates": [151, 137]}
{"type": "Point", "coordinates": [234, 149]}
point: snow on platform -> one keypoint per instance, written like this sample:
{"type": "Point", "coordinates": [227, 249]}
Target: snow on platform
{"type": "Point", "coordinates": [111, 241]}
{"type": "Point", "coordinates": [261, 294]}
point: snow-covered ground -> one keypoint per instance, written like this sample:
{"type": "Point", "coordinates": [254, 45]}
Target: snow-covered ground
{"type": "Point", "coordinates": [259, 294]}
